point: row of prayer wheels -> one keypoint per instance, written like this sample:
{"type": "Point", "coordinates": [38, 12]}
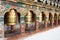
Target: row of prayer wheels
{"type": "Point", "coordinates": [12, 18]}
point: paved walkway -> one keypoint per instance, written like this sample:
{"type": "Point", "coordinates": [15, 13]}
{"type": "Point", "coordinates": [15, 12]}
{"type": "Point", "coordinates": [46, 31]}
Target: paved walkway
{"type": "Point", "coordinates": [53, 34]}
{"type": "Point", "coordinates": [28, 36]}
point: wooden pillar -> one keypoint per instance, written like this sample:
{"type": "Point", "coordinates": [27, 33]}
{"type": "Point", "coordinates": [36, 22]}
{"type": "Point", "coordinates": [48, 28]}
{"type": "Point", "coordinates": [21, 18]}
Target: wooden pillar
{"type": "Point", "coordinates": [22, 28]}
{"type": "Point", "coordinates": [51, 20]}
{"type": "Point", "coordinates": [45, 22]}
{"type": "Point", "coordinates": [52, 23]}
{"type": "Point", "coordinates": [37, 25]}
{"type": "Point", "coordinates": [57, 21]}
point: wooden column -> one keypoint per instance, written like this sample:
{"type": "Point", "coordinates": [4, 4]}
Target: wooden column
{"type": "Point", "coordinates": [37, 25]}
{"type": "Point", "coordinates": [52, 23]}
{"type": "Point", "coordinates": [22, 28]}
{"type": "Point", "coordinates": [51, 20]}
{"type": "Point", "coordinates": [45, 22]}
{"type": "Point", "coordinates": [57, 21]}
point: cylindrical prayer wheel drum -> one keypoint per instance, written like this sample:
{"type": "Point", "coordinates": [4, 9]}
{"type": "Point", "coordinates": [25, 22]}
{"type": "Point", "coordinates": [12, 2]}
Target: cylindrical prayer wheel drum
{"type": "Point", "coordinates": [12, 17]}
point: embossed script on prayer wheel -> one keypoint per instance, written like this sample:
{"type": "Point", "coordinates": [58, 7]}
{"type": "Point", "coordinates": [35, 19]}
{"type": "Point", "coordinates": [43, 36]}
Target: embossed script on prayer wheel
{"type": "Point", "coordinates": [12, 17]}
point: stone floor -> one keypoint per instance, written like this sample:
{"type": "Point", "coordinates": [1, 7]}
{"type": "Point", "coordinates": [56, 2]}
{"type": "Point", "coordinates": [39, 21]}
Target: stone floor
{"type": "Point", "coordinates": [28, 34]}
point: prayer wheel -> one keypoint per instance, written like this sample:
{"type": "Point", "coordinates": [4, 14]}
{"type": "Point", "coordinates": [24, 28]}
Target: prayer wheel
{"type": "Point", "coordinates": [11, 18]}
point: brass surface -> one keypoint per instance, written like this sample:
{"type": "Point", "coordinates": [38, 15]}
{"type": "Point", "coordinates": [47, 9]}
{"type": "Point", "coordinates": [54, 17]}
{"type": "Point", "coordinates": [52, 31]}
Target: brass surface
{"type": "Point", "coordinates": [12, 17]}
{"type": "Point", "coordinates": [28, 18]}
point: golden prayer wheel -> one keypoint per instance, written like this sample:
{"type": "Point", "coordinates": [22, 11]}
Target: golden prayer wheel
{"type": "Point", "coordinates": [12, 17]}
{"type": "Point", "coordinates": [28, 18]}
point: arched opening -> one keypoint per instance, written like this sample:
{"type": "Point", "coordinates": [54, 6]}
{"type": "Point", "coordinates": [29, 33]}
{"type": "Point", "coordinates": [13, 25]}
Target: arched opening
{"type": "Point", "coordinates": [42, 24]}
{"type": "Point", "coordinates": [12, 22]}
{"type": "Point", "coordinates": [30, 20]}
{"type": "Point", "coordinates": [55, 19]}
{"type": "Point", "coordinates": [59, 19]}
{"type": "Point", "coordinates": [50, 19]}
